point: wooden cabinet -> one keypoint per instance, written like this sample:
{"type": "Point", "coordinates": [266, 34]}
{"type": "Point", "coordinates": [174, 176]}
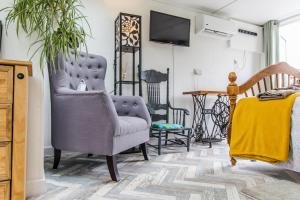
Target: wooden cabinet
{"type": "Point", "coordinates": [5, 161]}
{"type": "Point", "coordinates": [5, 122]}
{"type": "Point", "coordinates": [14, 77]}
{"type": "Point", "coordinates": [5, 190]}
{"type": "Point", "coordinates": [6, 84]}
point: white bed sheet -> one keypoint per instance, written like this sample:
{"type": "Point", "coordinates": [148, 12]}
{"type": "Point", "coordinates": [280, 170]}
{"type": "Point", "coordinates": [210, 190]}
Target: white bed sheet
{"type": "Point", "coordinates": [294, 155]}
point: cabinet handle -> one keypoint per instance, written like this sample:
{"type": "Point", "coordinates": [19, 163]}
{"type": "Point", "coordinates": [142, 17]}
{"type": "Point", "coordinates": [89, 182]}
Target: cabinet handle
{"type": "Point", "coordinates": [20, 76]}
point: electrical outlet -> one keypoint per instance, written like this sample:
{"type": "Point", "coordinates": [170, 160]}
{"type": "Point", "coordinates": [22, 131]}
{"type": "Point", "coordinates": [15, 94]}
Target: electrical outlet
{"type": "Point", "coordinates": [197, 71]}
{"type": "Point", "coordinates": [235, 62]}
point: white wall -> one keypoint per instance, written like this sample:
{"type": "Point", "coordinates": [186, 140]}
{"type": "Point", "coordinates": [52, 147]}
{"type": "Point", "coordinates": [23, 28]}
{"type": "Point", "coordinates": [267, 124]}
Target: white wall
{"type": "Point", "coordinates": [210, 55]}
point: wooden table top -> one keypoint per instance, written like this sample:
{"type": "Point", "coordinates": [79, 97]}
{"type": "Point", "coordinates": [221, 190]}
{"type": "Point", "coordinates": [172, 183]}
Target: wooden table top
{"type": "Point", "coordinates": [28, 64]}
{"type": "Point", "coordinates": [204, 92]}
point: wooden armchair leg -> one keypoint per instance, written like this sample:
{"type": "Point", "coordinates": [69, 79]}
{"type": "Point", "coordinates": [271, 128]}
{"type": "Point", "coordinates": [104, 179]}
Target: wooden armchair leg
{"type": "Point", "coordinates": [233, 161]}
{"type": "Point", "coordinates": [57, 155]}
{"type": "Point", "coordinates": [112, 167]}
{"type": "Point", "coordinates": [144, 151]}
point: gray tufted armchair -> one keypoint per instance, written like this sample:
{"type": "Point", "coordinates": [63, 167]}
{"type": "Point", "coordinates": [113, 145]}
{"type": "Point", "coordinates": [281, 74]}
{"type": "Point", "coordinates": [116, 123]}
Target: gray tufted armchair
{"type": "Point", "coordinates": [92, 121]}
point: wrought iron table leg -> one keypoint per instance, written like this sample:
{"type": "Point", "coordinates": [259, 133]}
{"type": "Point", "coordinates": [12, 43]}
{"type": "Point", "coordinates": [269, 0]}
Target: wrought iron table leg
{"type": "Point", "coordinates": [189, 140]}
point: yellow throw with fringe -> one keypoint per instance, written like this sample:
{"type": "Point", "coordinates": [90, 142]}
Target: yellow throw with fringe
{"type": "Point", "coordinates": [261, 129]}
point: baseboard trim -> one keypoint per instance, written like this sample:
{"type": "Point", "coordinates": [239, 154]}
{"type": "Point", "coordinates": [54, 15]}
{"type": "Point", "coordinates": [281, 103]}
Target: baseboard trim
{"type": "Point", "coordinates": [35, 187]}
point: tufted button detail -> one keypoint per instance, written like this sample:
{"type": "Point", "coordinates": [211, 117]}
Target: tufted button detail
{"type": "Point", "coordinates": [96, 77]}
{"type": "Point", "coordinates": [92, 57]}
{"type": "Point", "coordinates": [135, 104]}
{"type": "Point", "coordinates": [90, 67]}
{"type": "Point", "coordinates": [78, 76]}
{"type": "Point", "coordinates": [99, 66]}
{"type": "Point", "coordinates": [86, 77]}
{"type": "Point", "coordinates": [127, 113]}
{"type": "Point", "coordinates": [80, 65]}
{"type": "Point", "coordinates": [93, 88]}
{"type": "Point", "coordinates": [124, 102]}
{"type": "Point", "coordinates": [71, 74]}
{"type": "Point", "coordinates": [72, 63]}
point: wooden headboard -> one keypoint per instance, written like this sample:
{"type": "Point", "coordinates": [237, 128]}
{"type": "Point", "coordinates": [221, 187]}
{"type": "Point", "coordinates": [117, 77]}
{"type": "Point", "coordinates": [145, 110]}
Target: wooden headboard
{"type": "Point", "coordinates": [274, 76]}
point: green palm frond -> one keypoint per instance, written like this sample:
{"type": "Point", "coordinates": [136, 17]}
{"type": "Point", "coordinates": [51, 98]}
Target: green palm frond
{"type": "Point", "coordinates": [56, 25]}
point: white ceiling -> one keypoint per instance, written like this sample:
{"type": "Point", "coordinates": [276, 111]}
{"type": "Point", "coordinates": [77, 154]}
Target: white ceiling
{"type": "Point", "coordinates": [254, 11]}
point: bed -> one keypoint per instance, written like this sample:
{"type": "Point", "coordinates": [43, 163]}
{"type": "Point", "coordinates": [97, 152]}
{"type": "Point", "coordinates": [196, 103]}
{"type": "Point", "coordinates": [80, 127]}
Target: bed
{"type": "Point", "coordinates": [275, 76]}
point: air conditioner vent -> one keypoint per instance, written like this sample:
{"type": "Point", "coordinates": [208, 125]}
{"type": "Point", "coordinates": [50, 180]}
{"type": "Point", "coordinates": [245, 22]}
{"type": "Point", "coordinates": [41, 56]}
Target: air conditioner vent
{"type": "Point", "coordinates": [215, 25]}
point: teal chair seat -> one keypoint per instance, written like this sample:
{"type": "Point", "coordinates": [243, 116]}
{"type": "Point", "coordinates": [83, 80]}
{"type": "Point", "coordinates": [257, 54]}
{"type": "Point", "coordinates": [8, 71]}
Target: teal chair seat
{"type": "Point", "coordinates": [166, 126]}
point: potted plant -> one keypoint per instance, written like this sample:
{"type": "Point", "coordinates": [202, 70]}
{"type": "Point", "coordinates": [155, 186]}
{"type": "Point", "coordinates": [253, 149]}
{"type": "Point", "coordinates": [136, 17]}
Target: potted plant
{"type": "Point", "coordinates": [55, 25]}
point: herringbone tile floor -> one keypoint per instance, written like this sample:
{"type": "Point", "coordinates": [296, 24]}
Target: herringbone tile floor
{"type": "Point", "coordinates": [201, 174]}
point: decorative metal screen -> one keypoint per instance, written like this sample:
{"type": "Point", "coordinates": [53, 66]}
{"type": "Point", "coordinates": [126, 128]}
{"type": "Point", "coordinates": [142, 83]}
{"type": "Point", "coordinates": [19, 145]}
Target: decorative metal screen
{"type": "Point", "coordinates": [129, 30]}
{"type": "Point", "coordinates": [128, 49]}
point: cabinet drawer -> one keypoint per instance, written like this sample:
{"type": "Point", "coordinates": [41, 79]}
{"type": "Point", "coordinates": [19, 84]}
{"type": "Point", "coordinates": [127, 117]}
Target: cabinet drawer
{"type": "Point", "coordinates": [5, 122]}
{"type": "Point", "coordinates": [5, 190]}
{"type": "Point", "coordinates": [6, 84]}
{"type": "Point", "coordinates": [5, 161]}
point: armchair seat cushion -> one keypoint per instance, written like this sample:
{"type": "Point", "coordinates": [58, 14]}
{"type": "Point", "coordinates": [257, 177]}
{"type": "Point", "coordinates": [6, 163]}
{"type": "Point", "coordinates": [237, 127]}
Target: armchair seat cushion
{"type": "Point", "coordinates": [130, 125]}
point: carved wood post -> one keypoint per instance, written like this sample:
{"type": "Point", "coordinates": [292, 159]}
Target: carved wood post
{"type": "Point", "coordinates": [233, 91]}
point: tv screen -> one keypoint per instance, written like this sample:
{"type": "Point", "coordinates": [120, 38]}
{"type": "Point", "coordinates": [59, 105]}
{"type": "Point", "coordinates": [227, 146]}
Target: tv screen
{"type": "Point", "coordinates": [169, 29]}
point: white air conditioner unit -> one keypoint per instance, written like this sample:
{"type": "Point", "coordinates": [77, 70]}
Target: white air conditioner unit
{"type": "Point", "coordinates": [216, 26]}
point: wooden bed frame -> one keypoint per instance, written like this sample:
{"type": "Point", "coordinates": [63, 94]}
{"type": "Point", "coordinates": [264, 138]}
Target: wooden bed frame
{"type": "Point", "coordinates": [274, 76]}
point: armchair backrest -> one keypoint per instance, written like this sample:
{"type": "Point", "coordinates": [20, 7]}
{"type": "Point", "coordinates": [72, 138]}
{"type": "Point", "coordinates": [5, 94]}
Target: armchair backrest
{"type": "Point", "coordinates": [69, 71]}
{"type": "Point", "coordinates": [154, 80]}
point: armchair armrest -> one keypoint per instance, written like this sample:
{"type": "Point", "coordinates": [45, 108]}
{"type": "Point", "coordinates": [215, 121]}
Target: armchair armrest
{"type": "Point", "coordinates": [92, 104]}
{"type": "Point", "coordinates": [179, 114]}
{"type": "Point", "coordinates": [84, 118]}
{"type": "Point", "coordinates": [133, 106]}
{"type": "Point", "coordinates": [185, 111]}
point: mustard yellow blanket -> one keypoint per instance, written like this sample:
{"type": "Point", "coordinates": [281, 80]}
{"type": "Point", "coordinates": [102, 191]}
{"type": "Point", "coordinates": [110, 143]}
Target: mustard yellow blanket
{"type": "Point", "coordinates": [261, 129]}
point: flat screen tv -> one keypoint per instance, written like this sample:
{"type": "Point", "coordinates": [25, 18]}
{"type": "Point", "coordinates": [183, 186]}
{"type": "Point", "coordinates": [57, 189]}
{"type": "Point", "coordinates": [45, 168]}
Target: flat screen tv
{"type": "Point", "coordinates": [170, 29]}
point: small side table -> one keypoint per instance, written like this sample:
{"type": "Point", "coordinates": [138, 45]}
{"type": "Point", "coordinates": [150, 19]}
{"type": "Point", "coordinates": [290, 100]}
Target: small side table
{"type": "Point", "coordinates": [219, 113]}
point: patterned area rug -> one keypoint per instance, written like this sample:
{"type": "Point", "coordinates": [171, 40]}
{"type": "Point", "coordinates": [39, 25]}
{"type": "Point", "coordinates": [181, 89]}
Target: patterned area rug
{"type": "Point", "coordinates": [201, 174]}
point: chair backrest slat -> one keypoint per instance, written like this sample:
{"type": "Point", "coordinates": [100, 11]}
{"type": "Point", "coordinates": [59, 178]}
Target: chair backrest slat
{"type": "Point", "coordinates": [265, 84]}
{"type": "Point", "coordinates": [271, 82]}
{"type": "Point", "coordinates": [252, 90]}
{"type": "Point", "coordinates": [258, 87]}
{"type": "Point", "coordinates": [277, 80]}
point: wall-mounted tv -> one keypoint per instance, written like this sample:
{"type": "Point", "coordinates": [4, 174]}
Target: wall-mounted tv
{"type": "Point", "coordinates": [170, 29]}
